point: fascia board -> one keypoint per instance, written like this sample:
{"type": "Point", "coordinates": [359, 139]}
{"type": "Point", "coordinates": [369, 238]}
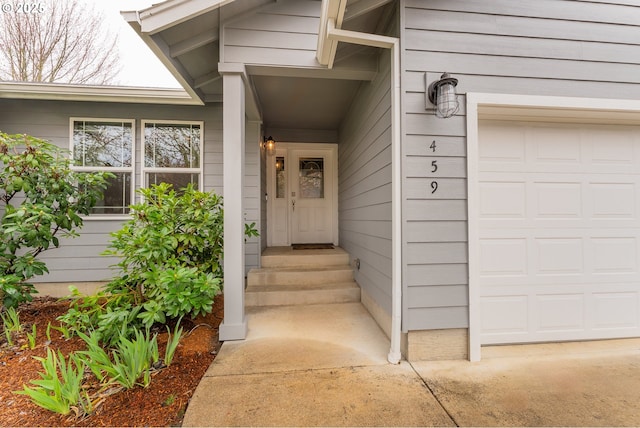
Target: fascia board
{"type": "Point", "coordinates": [173, 12]}
{"type": "Point", "coordinates": [164, 55]}
{"type": "Point", "coordinates": [123, 94]}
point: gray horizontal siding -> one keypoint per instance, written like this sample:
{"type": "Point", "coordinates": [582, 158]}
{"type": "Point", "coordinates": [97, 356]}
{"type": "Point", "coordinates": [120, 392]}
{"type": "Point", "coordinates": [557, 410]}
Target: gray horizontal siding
{"type": "Point", "coordinates": [79, 259]}
{"type": "Point", "coordinates": [517, 26]}
{"type": "Point", "coordinates": [568, 10]}
{"type": "Point", "coordinates": [283, 33]}
{"type": "Point", "coordinates": [547, 47]}
{"type": "Point", "coordinates": [364, 157]}
{"type": "Point", "coordinates": [437, 317]}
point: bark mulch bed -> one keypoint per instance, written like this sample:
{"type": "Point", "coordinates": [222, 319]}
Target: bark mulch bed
{"type": "Point", "coordinates": [163, 403]}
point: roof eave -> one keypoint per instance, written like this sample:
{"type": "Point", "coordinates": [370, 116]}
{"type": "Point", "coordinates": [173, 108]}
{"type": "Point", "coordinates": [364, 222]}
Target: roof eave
{"type": "Point", "coordinates": [122, 94]}
{"type": "Point", "coordinates": [162, 53]}
{"type": "Point", "coordinates": [172, 12]}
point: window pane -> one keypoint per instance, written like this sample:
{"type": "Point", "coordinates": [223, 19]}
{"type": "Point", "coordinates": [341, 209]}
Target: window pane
{"type": "Point", "coordinates": [178, 180]}
{"type": "Point", "coordinates": [311, 178]}
{"type": "Point", "coordinates": [117, 196]}
{"type": "Point", "coordinates": [171, 146]}
{"type": "Point", "coordinates": [102, 144]}
{"type": "Point", "coordinates": [281, 178]}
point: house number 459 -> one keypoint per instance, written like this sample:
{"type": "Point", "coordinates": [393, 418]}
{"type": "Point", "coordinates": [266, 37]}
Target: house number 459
{"type": "Point", "coordinates": [434, 167]}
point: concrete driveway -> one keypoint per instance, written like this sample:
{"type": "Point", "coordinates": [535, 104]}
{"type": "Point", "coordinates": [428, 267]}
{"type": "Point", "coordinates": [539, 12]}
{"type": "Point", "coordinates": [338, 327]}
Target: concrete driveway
{"type": "Point", "coordinates": [582, 384]}
{"type": "Point", "coordinates": [325, 365]}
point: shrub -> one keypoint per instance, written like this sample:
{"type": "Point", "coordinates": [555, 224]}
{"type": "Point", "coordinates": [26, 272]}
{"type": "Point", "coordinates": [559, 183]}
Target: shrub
{"type": "Point", "coordinates": [41, 198]}
{"type": "Point", "coordinates": [170, 264]}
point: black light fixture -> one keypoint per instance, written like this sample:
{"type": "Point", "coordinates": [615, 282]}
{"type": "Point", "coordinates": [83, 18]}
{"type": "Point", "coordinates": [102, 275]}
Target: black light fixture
{"type": "Point", "coordinates": [269, 145]}
{"type": "Point", "coordinates": [442, 94]}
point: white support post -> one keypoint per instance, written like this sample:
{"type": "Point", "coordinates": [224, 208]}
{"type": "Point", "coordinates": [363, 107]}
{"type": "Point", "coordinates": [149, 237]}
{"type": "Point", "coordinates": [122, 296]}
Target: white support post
{"type": "Point", "coordinates": [234, 326]}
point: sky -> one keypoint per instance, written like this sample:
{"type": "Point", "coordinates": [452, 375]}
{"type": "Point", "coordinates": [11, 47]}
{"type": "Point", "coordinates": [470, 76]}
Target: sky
{"type": "Point", "coordinates": [140, 67]}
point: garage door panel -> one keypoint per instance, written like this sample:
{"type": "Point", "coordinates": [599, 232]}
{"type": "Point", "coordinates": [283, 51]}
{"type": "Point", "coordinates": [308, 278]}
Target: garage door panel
{"type": "Point", "coordinates": [504, 145]}
{"type": "Point", "coordinates": [559, 256]}
{"type": "Point", "coordinates": [555, 145]}
{"type": "Point", "coordinates": [559, 312]}
{"type": "Point", "coordinates": [615, 311]}
{"type": "Point", "coordinates": [505, 315]}
{"type": "Point", "coordinates": [503, 257]}
{"type": "Point", "coordinates": [611, 146]}
{"type": "Point", "coordinates": [614, 201]}
{"type": "Point", "coordinates": [615, 255]}
{"type": "Point", "coordinates": [559, 239]}
{"type": "Point", "coordinates": [502, 200]}
{"type": "Point", "coordinates": [557, 200]}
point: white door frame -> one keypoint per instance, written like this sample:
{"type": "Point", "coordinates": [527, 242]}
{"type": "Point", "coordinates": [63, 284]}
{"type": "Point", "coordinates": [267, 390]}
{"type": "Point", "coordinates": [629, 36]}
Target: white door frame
{"type": "Point", "coordinates": [522, 107]}
{"type": "Point", "coordinates": [285, 149]}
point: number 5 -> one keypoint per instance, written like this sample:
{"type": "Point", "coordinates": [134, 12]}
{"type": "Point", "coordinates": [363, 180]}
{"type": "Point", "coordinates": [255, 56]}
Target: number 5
{"type": "Point", "coordinates": [434, 166]}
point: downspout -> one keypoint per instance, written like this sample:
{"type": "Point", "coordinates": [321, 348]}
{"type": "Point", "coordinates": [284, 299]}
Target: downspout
{"type": "Point", "coordinates": [392, 43]}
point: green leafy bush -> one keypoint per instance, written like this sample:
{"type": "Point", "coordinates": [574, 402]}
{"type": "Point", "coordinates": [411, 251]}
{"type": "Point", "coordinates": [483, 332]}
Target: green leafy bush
{"type": "Point", "coordinates": [171, 253]}
{"type": "Point", "coordinates": [41, 198]}
{"type": "Point", "coordinates": [171, 228]}
{"type": "Point", "coordinates": [170, 263]}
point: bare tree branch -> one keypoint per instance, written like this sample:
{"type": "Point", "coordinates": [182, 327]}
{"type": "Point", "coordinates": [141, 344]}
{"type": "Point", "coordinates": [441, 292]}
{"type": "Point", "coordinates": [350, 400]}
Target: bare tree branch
{"type": "Point", "coordinates": [65, 41]}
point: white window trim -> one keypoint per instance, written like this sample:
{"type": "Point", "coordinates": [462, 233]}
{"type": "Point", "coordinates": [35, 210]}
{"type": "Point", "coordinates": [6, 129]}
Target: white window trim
{"type": "Point", "coordinates": [130, 169]}
{"type": "Point", "coordinates": [144, 169]}
{"type": "Point", "coordinates": [522, 107]}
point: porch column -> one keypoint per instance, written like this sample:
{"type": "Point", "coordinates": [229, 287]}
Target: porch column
{"type": "Point", "coordinates": [234, 325]}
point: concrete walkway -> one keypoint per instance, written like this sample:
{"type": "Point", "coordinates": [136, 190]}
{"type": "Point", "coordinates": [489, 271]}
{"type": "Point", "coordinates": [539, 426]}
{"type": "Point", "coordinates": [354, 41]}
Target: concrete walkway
{"type": "Point", "coordinates": [325, 365]}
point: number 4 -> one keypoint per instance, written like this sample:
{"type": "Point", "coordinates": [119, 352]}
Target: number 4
{"type": "Point", "coordinates": [433, 146]}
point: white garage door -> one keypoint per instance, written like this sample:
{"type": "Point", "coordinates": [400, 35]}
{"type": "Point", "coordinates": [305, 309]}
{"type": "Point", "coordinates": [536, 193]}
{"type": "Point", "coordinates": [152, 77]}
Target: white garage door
{"type": "Point", "coordinates": [559, 231]}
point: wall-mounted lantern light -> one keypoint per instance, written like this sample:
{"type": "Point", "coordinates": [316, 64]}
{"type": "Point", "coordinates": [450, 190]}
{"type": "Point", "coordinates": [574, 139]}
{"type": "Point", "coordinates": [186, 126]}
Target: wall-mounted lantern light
{"type": "Point", "coordinates": [442, 94]}
{"type": "Point", "coordinates": [269, 145]}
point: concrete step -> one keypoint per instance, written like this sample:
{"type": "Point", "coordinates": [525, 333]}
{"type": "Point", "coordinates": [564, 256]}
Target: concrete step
{"type": "Point", "coordinates": [300, 276]}
{"type": "Point", "coordinates": [282, 294]}
{"type": "Point", "coordinates": [286, 257]}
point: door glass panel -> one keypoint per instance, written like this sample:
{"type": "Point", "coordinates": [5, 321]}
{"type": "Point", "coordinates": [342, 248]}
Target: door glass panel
{"type": "Point", "coordinates": [311, 178]}
{"type": "Point", "coordinates": [281, 178]}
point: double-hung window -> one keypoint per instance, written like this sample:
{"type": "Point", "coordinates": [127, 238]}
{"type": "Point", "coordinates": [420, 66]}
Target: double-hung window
{"type": "Point", "coordinates": [172, 153]}
{"type": "Point", "coordinates": [106, 145]}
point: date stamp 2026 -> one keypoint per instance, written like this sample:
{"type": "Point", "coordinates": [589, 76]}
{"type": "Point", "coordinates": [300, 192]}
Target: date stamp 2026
{"type": "Point", "coordinates": [26, 8]}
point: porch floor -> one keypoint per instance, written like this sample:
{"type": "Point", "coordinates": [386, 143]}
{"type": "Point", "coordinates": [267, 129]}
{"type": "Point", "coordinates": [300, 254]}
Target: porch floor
{"type": "Point", "coordinates": [279, 256]}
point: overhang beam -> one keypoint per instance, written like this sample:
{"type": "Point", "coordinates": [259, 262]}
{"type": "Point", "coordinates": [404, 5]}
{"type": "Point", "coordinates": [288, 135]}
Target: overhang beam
{"type": "Point", "coordinates": [193, 43]}
{"type": "Point", "coordinates": [203, 80]}
{"type": "Point", "coordinates": [341, 73]}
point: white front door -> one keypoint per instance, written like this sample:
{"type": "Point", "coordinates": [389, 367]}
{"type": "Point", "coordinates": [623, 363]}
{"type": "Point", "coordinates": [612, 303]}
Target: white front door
{"type": "Point", "coordinates": [303, 206]}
